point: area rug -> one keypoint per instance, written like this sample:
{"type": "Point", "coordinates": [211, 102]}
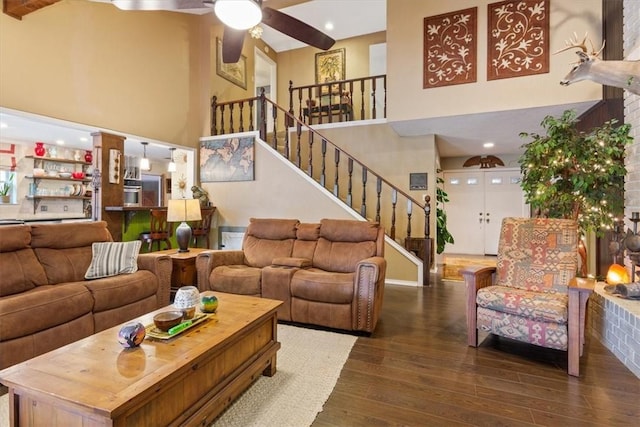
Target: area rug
{"type": "Point", "coordinates": [309, 365]}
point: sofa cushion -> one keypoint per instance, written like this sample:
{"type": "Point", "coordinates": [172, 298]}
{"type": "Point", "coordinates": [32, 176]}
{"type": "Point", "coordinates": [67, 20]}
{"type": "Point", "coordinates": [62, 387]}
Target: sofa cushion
{"type": "Point", "coordinates": [272, 229]}
{"type": "Point", "coordinates": [117, 291]}
{"type": "Point", "coordinates": [344, 230]}
{"type": "Point", "coordinates": [113, 258]}
{"type": "Point", "coordinates": [307, 238]}
{"type": "Point", "coordinates": [20, 268]}
{"type": "Point", "coordinates": [236, 279]}
{"type": "Point", "coordinates": [63, 251]}
{"type": "Point", "coordinates": [42, 308]}
{"type": "Point", "coordinates": [341, 257]}
{"type": "Point", "coordinates": [325, 286]}
{"type": "Point", "coordinates": [538, 306]}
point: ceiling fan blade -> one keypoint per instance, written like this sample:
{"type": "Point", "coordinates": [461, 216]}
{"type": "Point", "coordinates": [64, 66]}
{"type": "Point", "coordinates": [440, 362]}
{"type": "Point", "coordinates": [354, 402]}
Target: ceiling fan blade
{"type": "Point", "coordinates": [232, 42]}
{"type": "Point", "coordinates": [159, 4]}
{"type": "Point", "coordinates": [295, 28]}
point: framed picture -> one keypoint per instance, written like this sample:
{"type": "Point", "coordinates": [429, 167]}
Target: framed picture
{"type": "Point", "coordinates": [330, 66]}
{"type": "Point", "coordinates": [227, 159]}
{"type": "Point", "coordinates": [235, 73]}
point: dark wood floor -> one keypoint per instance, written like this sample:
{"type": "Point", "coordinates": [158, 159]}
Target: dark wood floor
{"type": "Point", "coordinates": [416, 370]}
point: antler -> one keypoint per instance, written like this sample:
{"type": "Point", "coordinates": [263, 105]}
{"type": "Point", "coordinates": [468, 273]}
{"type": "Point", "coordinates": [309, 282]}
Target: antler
{"type": "Point", "coordinates": [573, 43]}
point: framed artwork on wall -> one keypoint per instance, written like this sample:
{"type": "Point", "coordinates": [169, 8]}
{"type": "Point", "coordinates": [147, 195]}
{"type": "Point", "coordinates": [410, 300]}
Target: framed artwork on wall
{"type": "Point", "coordinates": [450, 48]}
{"type": "Point", "coordinates": [235, 73]}
{"type": "Point", "coordinates": [330, 66]}
{"type": "Point", "coordinates": [227, 159]}
{"type": "Point", "coordinates": [518, 38]}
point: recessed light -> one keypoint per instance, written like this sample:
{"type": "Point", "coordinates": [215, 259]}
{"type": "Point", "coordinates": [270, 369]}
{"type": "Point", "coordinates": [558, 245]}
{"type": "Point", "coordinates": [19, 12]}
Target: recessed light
{"type": "Point", "coordinates": [488, 145]}
{"type": "Point", "coordinates": [84, 139]}
{"type": "Point", "coordinates": [59, 142]}
{"type": "Point", "coordinates": [328, 26]}
{"type": "Point", "coordinates": [3, 125]}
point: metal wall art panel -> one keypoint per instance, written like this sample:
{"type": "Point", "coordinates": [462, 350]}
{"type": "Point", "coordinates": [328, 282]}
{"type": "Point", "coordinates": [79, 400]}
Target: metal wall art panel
{"type": "Point", "coordinates": [450, 48]}
{"type": "Point", "coordinates": [518, 38]}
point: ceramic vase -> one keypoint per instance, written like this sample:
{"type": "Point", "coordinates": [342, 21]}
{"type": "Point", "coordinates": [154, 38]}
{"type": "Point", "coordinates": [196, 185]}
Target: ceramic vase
{"type": "Point", "coordinates": [39, 150]}
{"type": "Point", "coordinates": [88, 157]}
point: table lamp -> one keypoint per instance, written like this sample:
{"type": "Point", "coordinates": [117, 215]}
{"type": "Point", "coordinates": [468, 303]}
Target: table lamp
{"type": "Point", "coordinates": [183, 210]}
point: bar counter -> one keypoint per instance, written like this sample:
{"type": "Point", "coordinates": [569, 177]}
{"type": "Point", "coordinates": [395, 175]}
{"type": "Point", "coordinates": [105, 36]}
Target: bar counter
{"type": "Point", "coordinates": [130, 212]}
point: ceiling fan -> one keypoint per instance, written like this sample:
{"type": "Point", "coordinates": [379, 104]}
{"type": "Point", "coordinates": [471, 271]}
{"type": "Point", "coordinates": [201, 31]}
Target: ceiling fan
{"type": "Point", "coordinates": [237, 17]}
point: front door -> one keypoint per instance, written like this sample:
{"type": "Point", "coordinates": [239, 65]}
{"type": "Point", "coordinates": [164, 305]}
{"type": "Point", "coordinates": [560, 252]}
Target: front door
{"type": "Point", "coordinates": [478, 201]}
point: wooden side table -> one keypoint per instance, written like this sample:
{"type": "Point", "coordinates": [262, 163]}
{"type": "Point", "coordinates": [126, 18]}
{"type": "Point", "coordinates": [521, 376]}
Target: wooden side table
{"type": "Point", "coordinates": [183, 272]}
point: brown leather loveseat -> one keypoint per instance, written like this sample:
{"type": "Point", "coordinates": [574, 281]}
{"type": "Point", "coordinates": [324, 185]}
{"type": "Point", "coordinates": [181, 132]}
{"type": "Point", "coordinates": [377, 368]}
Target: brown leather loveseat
{"type": "Point", "coordinates": [328, 274]}
{"type": "Point", "coordinates": [45, 301]}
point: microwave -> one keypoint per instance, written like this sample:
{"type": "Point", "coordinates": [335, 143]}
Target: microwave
{"type": "Point", "coordinates": [132, 194]}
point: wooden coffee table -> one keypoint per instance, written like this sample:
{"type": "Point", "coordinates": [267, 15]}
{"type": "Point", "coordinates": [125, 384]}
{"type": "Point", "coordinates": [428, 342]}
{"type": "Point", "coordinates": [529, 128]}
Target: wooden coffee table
{"type": "Point", "coordinates": [187, 380]}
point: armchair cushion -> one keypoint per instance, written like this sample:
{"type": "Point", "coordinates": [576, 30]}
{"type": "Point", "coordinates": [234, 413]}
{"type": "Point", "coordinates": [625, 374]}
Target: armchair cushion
{"type": "Point", "coordinates": [266, 239]}
{"type": "Point", "coordinates": [537, 306]}
{"type": "Point", "coordinates": [538, 254]}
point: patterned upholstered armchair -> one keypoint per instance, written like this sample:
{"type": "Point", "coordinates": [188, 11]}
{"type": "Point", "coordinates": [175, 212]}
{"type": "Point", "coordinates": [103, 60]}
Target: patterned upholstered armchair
{"type": "Point", "coordinates": [532, 295]}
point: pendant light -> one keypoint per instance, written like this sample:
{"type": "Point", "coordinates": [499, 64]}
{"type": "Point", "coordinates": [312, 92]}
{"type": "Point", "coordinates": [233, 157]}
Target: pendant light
{"type": "Point", "coordinates": [172, 164]}
{"type": "Point", "coordinates": [144, 162]}
{"type": "Point", "coordinates": [238, 14]}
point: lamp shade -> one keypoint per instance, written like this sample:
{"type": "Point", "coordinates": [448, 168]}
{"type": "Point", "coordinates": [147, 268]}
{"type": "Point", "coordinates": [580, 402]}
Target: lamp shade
{"type": "Point", "coordinates": [238, 14]}
{"type": "Point", "coordinates": [183, 210]}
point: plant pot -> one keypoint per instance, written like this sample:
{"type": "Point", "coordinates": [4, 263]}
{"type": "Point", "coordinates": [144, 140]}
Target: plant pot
{"type": "Point", "coordinates": [5, 199]}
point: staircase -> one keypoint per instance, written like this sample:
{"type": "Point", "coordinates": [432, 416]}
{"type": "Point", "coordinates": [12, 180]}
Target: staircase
{"type": "Point", "coordinates": [345, 177]}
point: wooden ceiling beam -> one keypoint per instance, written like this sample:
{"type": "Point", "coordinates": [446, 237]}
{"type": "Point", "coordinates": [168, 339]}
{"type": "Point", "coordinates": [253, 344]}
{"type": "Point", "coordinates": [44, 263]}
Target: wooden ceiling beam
{"type": "Point", "coordinates": [19, 8]}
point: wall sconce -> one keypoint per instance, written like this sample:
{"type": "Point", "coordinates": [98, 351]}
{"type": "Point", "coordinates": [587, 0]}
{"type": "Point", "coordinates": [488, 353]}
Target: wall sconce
{"type": "Point", "coordinates": [238, 14]}
{"type": "Point", "coordinates": [172, 164]}
{"type": "Point", "coordinates": [144, 162]}
{"type": "Point", "coordinates": [183, 210]}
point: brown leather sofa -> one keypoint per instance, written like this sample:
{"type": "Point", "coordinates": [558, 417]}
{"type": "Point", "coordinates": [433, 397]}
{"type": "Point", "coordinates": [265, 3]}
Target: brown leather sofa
{"type": "Point", "coordinates": [46, 303]}
{"type": "Point", "coordinates": [328, 274]}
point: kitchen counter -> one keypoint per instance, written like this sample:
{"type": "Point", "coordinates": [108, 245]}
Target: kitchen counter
{"type": "Point", "coordinates": [130, 211]}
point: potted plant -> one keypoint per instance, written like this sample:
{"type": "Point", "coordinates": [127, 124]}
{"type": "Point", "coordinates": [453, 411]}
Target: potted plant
{"type": "Point", "coordinates": [578, 175]}
{"type": "Point", "coordinates": [5, 189]}
{"type": "Point", "coordinates": [443, 236]}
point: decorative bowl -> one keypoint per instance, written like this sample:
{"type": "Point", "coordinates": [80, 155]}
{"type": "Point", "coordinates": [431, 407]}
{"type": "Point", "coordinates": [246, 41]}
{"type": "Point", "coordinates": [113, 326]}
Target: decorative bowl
{"type": "Point", "coordinates": [64, 174]}
{"type": "Point", "coordinates": [38, 172]}
{"type": "Point", "coordinates": [167, 319]}
{"type": "Point", "coordinates": [187, 299]}
{"type": "Point", "coordinates": [78, 175]}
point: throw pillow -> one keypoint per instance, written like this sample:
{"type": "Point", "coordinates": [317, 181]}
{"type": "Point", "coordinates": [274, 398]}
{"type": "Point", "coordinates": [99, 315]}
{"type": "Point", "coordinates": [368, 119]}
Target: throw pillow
{"type": "Point", "coordinates": [113, 258]}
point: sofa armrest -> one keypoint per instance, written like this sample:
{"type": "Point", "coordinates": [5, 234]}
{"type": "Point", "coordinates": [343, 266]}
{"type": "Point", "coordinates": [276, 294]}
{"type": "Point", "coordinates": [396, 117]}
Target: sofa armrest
{"type": "Point", "coordinates": [160, 266]}
{"type": "Point", "coordinates": [291, 262]}
{"type": "Point", "coordinates": [206, 261]}
{"type": "Point", "coordinates": [368, 293]}
{"type": "Point", "coordinates": [475, 278]}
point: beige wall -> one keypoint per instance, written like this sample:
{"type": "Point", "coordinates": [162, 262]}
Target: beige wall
{"type": "Point", "coordinates": [405, 63]}
{"type": "Point", "coordinates": [150, 74]}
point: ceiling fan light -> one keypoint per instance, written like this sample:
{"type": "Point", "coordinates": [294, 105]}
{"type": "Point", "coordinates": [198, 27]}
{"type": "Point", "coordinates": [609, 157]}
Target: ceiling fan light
{"type": "Point", "coordinates": [238, 14]}
{"type": "Point", "coordinates": [172, 165]}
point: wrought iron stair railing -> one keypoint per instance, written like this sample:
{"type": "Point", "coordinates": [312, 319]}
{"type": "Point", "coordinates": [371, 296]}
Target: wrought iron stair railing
{"type": "Point", "coordinates": [340, 173]}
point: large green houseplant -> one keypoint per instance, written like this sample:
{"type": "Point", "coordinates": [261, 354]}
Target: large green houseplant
{"type": "Point", "coordinates": [568, 173]}
{"type": "Point", "coordinates": [575, 174]}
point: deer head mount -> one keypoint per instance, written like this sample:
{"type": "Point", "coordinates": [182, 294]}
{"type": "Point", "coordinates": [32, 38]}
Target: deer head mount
{"type": "Point", "coordinates": [623, 74]}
